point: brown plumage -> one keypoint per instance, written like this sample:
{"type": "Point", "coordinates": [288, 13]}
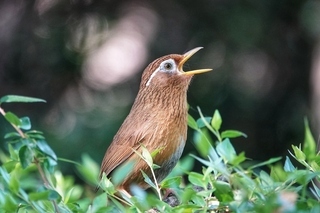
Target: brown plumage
{"type": "Point", "coordinates": [157, 120]}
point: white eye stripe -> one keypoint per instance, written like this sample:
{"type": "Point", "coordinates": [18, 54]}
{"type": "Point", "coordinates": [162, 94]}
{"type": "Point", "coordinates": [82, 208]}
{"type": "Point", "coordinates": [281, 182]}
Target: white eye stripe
{"type": "Point", "coordinates": [151, 77]}
{"type": "Point", "coordinates": [165, 66]}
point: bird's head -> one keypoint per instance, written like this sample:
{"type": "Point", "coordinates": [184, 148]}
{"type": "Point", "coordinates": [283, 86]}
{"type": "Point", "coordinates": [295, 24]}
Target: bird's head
{"type": "Point", "coordinates": [167, 71]}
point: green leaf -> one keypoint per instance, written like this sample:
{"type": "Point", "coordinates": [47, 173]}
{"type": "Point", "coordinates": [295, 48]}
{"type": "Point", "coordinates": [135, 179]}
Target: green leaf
{"type": "Point", "coordinates": [37, 135]}
{"type": "Point", "coordinates": [147, 156]}
{"type": "Point", "coordinates": [192, 123]}
{"type": "Point", "coordinates": [302, 176]}
{"type": "Point", "coordinates": [223, 191]}
{"type": "Point", "coordinates": [9, 205]}
{"type": "Point", "coordinates": [201, 122]}
{"type": "Point", "coordinates": [298, 153]}
{"type": "Point", "coordinates": [232, 134]}
{"type": "Point", "coordinates": [148, 180]}
{"type": "Point", "coordinates": [172, 182]}
{"type": "Point", "coordinates": [12, 135]}
{"type": "Point", "coordinates": [202, 143]}
{"type": "Point", "coordinates": [13, 119]}
{"type": "Point", "coordinates": [268, 162]}
{"type": "Point", "coordinates": [99, 203]}
{"type": "Point", "coordinates": [107, 185]}
{"type": "Point", "coordinates": [288, 166]}
{"type": "Point", "coordinates": [49, 164]}
{"type": "Point", "coordinates": [44, 195]}
{"type": "Point", "coordinates": [239, 159]}
{"type": "Point", "coordinates": [278, 174]}
{"type": "Point", "coordinates": [25, 123]}
{"type": "Point", "coordinates": [14, 183]}
{"type": "Point", "coordinates": [89, 169]}
{"type": "Point", "coordinates": [26, 156]}
{"type": "Point", "coordinates": [226, 150]}
{"type": "Point", "coordinates": [10, 165]}
{"type": "Point", "coordinates": [216, 120]}
{"type": "Point", "coordinates": [198, 179]}
{"type": "Point", "coordinates": [184, 165]}
{"type": "Point", "coordinates": [46, 149]}
{"type": "Point", "coordinates": [121, 172]}
{"type": "Point", "coordinates": [309, 145]}
{"type": "Point", "coordinates": [18, 98]}
{"type": "Point", "coordinates": [13, 152]}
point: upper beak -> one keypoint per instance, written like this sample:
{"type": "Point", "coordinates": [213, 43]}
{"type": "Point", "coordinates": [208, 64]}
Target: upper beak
{"type": "Point", "coordinates": [185, 58]}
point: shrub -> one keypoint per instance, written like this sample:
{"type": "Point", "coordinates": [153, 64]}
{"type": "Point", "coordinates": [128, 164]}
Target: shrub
{"type": "Point", "coordinates": [32, 182]}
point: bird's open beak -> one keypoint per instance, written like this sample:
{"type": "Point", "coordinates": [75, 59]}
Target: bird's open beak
{"type": "Point", "coordinates": [186, 56]}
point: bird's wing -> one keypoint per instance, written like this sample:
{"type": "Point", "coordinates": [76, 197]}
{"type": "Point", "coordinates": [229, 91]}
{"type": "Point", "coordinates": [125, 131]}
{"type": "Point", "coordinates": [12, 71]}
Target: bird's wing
{"type": "Point", "coordinates": [119, 151]}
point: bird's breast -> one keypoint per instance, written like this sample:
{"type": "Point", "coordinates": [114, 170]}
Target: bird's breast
{"type": "Point", "coordinates": [168, 158]}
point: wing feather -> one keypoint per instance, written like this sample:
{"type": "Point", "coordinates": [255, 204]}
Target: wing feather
{"type": "Point", "coordinates": [120, 150]}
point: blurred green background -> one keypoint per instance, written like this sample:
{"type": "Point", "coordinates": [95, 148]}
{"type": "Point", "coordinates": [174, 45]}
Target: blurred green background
{"type": "Point", "coordinates": [86, 57]}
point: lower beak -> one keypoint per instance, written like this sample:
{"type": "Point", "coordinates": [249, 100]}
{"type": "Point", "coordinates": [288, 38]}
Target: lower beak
{"type": "Point", "coordinates": [185, 58]}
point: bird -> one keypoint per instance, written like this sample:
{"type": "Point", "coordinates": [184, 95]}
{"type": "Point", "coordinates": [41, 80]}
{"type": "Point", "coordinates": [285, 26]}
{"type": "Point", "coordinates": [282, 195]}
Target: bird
{"type": "Point", "coordinates": [157, 121]}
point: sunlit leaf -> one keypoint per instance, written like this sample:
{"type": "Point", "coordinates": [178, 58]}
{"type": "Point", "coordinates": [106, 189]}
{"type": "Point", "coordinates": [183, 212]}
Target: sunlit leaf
{"type": "Point", "coordinates": [309, 145]}
{"type": "Point", "coordinates": [13, 119]}
{"type": "Point", "coordinates": [216, 120]}
{"type": "Point", "coordinates": [238, 159]}
{"type": "Point", "coordinates": [18, 98]}
{"type": "Point", "coordinates": [107, 185]}
{"type": "Point", "coordinates": [147, 156]}
{"type": "Point", "coordinates": [298, 153]}
{"type": "Point", "coordinates": [202, 143]}
{"type": "Point", "coordinates": [192, 123]}
{"type": "Point", "coordinates": [278, 174]}
{"type": "Point", "coordinates": [232, 134]}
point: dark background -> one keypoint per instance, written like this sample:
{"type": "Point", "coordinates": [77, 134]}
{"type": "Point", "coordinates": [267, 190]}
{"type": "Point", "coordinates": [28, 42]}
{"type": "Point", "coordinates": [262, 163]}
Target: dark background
{"type": "Point", "coordinates": [86, 57]}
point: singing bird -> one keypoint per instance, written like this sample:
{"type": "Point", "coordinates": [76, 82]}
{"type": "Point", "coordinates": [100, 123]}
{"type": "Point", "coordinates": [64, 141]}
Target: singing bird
{"type": "Point", "coordinates": [157, 121]}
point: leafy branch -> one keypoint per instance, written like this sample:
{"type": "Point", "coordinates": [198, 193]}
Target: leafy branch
{"type": "Point", "coordinates": [26, 153]}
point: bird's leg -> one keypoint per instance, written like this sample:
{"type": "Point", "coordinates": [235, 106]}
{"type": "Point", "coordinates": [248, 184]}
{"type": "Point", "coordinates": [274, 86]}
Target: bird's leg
{"type": "Point", "coordinates": [170, 197]}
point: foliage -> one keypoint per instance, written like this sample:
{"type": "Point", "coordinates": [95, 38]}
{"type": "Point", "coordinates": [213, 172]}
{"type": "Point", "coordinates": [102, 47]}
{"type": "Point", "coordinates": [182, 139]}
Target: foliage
{"type": "Point", "coordinates": [30, 179]}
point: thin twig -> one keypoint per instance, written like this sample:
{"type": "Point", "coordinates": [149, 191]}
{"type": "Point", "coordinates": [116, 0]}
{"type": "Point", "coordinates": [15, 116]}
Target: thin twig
{"type": "Point", "coordinates": [14, 126]}
{"type": "Point", "coordinates": [46, 182]}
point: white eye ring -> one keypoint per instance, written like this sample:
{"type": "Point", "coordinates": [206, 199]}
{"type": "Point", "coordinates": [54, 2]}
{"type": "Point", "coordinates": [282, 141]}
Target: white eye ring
{"type": "Point", "coordinates": [168, 66]}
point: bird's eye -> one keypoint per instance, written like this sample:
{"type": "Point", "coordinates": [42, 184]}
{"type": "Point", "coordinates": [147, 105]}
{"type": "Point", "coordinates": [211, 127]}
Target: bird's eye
{"type": "Point", "coordinates": [168, 66]}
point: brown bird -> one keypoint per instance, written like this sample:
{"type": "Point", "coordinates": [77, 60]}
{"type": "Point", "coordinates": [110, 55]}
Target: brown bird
{"type": "Point", "coordinates": [157, 120]}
